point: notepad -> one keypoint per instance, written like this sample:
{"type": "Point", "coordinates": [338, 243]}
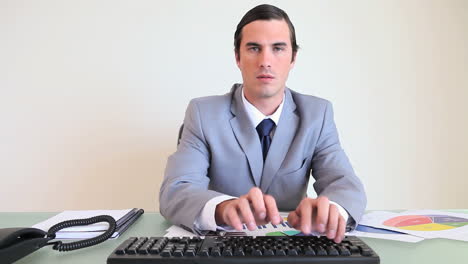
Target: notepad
{"type": "Point", "coordinates": [124, 218]}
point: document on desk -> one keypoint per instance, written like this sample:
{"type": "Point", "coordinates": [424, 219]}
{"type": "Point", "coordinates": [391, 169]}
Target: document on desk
{"type": "Point", "coordinates": [421, 223]}
{"type": "Point", "coordinates": [284, 229]}
{"type": "Point", "coordinates": [124, 219]}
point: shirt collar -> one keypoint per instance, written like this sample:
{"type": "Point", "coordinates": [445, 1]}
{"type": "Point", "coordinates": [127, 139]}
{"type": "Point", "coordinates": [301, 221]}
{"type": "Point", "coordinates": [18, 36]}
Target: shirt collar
{"type": "Point", "coordinates": [256, 116]}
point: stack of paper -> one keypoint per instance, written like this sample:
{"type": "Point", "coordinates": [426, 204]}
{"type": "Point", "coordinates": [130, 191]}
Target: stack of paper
{"type": "Point", "coordinates": [124, 219]}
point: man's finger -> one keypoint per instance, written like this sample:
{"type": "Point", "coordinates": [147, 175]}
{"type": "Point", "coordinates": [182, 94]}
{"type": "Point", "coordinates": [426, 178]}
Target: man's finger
{"type": "Point", "coordinates": [272, 209]}
{"type": "Point", "coordinates": [321, 219]}
{"type": "Point", "coordinates": [233, 218]}
{"type": "Point", "coordinates": [293, 220]}
{"type": "Point", "coordinates": [333, 218]}
{"type": "Point", "coordinates": [341, 230]}
{"type": "Point", "coordinates": [246, 213]}
{"type": "Point", "coordinates": [305, 209]}
{"type": "Point", "coordinates": [255, 197]}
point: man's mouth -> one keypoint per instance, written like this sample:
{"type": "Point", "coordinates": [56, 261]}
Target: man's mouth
{"type": "Point", "coordinates": [265, 76]}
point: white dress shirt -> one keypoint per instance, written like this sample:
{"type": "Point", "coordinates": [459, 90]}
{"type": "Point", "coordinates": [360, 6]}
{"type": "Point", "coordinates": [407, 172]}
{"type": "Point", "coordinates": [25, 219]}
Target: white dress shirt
{"type": "Point", "coordinates": [206, 220]}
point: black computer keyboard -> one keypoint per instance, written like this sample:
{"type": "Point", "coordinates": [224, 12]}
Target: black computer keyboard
{"type": "Point", "coordinates": [235, 249]}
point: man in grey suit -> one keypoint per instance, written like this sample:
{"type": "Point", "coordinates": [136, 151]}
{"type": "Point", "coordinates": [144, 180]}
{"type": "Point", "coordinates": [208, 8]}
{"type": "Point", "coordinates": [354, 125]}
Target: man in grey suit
{"type": "Point", "coordinates": [246, 155]}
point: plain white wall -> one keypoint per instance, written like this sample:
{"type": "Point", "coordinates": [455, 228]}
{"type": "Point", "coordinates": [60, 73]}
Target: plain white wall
{"type": "Point", "coordinates": [92, 94]}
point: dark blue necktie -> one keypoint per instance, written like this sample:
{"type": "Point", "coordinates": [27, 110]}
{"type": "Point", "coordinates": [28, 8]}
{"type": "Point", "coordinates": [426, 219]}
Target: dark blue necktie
{"type": "Point", "coordinates": [264, 130]}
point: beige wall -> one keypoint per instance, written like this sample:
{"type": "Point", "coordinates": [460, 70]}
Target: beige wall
{"type": "Point", "coordinates": [92, 94]}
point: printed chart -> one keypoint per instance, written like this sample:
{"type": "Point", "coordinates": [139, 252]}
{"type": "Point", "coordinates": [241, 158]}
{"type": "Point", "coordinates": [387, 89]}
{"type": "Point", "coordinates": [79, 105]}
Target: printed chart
{"type": "Point", "coordinates": [426, 222]}
{"type": "Point", "coordinates": [283, 229]}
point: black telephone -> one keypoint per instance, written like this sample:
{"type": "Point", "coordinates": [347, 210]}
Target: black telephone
{"type": "Point", "coordinates": [16, 243]}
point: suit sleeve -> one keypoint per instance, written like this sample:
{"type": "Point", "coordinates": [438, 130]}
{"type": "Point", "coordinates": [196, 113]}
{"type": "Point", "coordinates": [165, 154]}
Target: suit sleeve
{"type": "Point", "coordinates": [333, 173]}
{"type": "Point", "coordinates": [184, 190]}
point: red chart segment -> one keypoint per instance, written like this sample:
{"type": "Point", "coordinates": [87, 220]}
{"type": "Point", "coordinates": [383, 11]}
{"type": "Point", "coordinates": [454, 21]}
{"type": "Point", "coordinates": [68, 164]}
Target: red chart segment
{"type": "Point", "coordinates": [407, 220]}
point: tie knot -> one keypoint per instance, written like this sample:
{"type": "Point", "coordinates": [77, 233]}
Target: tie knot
{"type": "Point", "coordinates": [265, 127]}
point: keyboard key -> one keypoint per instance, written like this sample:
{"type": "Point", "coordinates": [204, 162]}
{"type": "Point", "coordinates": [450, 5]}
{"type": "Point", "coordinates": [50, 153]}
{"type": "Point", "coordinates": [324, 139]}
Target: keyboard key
{"type": "Point", "coordinates": [280, 252]}
{"type": "Point", "coordinates": [143, 251]}
{"type": "Point", "coordinates": [227, 252]}
{"type": "Point", "coordinates": [239, 252]}
{"type": "Point", "coordinates": [131, 251]}
{"type": "Point", "coordinates": [366, 252]}
{"type": "Point", "coordinates": [354, 250]}
{"type": "Point", "coordinates": [216, 253]}
{"type": "Point", "coordinates": [309, 251]}
{"type": "Point", "coordinates": [120, 251]}
{"type": "Point", "coordinates": [344, 251]}
{"type": "Point", "coordinates": [320, 251]}
{"type": "Point", "coordinates": [332, 251]}
{"type": "Point", "coordinates": [204, 253]}
{"type": "Point", "coordinates": [154, 250]}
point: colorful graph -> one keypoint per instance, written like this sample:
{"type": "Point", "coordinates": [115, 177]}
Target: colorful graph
{"type": "Point", "coordinates": [284, 233]}
{"type": "Point", "coordinates": [426, 222]}
{"type": "Point", "coordinates": [283, 229]}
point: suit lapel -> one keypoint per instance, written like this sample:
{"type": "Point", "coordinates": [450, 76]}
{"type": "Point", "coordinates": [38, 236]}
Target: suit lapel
{"type": "Point", "coordinates": [282, 139]}
{"type": "Point", "coordinates": [246, 135]}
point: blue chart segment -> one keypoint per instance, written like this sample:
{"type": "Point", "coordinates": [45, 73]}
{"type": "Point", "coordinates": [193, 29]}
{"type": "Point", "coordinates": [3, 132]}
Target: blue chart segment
{"type": "Point", "coordinates": [370, 229]}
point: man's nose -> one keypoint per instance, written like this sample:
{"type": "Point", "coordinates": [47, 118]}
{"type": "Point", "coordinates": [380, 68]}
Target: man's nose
{"type": "Point", "coordinates": [265, 59]}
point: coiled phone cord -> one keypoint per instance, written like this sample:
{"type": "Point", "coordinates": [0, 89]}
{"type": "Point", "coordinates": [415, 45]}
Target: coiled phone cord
{"type": "Point", "coordinates": [60, 246]}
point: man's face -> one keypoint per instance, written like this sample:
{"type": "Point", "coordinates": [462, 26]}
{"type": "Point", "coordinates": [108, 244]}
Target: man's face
{"type": "Point", "coordinates": [265, 58]}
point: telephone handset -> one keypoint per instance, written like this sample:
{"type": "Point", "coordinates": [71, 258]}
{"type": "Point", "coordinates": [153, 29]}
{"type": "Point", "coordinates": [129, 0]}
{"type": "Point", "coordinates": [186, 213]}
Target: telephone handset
{"type": "Point", "coordinates": [16, 243]}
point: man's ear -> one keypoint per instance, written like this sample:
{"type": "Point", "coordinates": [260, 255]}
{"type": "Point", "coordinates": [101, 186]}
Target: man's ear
{"type": "Point", "coordinates": [237, 55]}
{"type": "Point", "coordinates": [293, 61]}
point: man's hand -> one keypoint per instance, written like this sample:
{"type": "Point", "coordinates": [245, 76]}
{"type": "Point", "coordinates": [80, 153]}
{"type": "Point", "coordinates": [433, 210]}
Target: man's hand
{"type": "Point", "coordinates": [253, 209]}
{"type": "Point", "coordinates": [320, 216]}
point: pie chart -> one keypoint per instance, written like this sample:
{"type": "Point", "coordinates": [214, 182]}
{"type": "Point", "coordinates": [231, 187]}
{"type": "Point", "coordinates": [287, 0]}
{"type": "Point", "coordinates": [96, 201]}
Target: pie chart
{"type": "Point", "coordinates": [426, 222]}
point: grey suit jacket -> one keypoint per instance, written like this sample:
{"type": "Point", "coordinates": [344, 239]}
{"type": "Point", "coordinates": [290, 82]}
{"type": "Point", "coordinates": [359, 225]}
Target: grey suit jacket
{"type": "Point", "coordinates": [220, 153]}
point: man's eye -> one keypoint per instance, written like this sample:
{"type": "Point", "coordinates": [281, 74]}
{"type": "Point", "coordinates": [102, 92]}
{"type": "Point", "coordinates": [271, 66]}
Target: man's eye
{"type": "Point", "coordinates": [278, 48]}
{"type": "Point", "coordinates": [254, 49]}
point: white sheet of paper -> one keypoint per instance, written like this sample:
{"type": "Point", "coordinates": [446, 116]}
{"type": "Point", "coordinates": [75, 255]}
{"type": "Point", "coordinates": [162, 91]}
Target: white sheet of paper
{"type": "Point", "coordinates": [177, 231]}
{"type": "Point", "coordinates": [397, 237]}
{"type": "Point", "coordinates": [70, 215]}
{"type": "Point", "coordinates": [82, 235]}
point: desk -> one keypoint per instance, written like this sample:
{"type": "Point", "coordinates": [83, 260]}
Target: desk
{"type": "Point", "coordinates": [153, 224]}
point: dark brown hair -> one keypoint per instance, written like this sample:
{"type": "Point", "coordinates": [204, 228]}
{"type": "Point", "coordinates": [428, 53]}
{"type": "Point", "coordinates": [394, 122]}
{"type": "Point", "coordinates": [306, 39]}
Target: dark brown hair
{"type": "Point", "coordinates": [265, 12]}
